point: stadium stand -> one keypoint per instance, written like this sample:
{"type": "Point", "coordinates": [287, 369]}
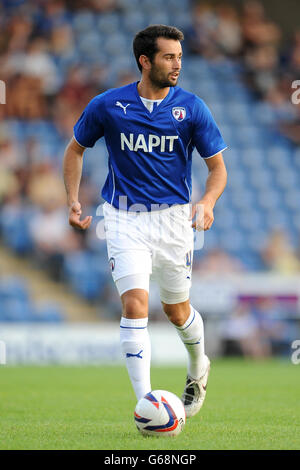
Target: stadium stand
{"type": "Point", "coordinates": [56, 55]}
{"type": "Point", "coordinates": [17, 306]}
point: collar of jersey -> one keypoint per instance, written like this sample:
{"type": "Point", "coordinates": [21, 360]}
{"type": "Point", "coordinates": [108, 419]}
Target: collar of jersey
{"type": "Point", "coordinates": [158, 108]}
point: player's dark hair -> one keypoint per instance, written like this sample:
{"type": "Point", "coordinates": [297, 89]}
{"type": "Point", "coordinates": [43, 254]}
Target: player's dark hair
{"type": "Point", "coordinates": [145, 41]}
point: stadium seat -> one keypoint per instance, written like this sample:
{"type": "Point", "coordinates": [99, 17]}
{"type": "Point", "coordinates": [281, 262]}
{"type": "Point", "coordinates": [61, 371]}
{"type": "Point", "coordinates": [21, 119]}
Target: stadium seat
{"type": "Point", "coordinates": [15, 231]}
{"type": "Point", "coordinates": [86, 274]}
{"type": "Point", "coordinates": [49, 312]}
{"type": "Point", "coordinates": [17, 310]}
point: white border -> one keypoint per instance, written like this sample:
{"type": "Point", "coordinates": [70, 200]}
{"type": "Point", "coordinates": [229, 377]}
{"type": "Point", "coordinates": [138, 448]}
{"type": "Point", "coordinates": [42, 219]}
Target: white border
{"type": "Point", "coordinates": [78, 142]}
{"type": "Point", "coordinates": [220, 151]}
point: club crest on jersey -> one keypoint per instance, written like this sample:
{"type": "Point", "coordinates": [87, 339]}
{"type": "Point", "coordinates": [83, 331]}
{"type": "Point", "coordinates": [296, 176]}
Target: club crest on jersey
{"type": "Point", "coordinates": [179, 113]}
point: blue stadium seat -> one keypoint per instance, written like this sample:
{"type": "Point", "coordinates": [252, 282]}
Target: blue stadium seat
{"type": "Point", "coordinates": [15, 230]}
{"type": "Point", "coordinates": [292, 198]}
{"type": "Point", "coordinates": [13, 287]}
{"type": "Point", "coordinates": [250, 219]}
{"type": "Point", "coordinates": [243, 199]}
{"type": "Point", "coordinates": [129, 5]}
{"type": "Point", "coordinates": [83, 22]}
{"type": "Point", "coordinates": [49, 312]}
{"type": "Point", "coordinates": [232, 240]}
{"type": "Point", "coordinates": [251, 260]}
{"type": "Point", "coordinates": [134, 21]}
{"type": "Point", "coordinates": [16, 310]}
{"type": "Point", "coordinates": [108, 23]}
{"type": "Point", "coordinates": [268, 198]}
{"type": "Point", "coordinates": [86, 274]}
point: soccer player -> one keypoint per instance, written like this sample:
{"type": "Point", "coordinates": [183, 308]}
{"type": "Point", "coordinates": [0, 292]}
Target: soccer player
{"type": "Point", "coordinates": [151, 128]}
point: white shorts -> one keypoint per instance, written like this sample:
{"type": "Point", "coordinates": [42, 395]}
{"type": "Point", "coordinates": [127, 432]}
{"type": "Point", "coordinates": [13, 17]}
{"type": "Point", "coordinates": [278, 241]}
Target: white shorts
{"type": "Point", "coordinates": [158, 244]}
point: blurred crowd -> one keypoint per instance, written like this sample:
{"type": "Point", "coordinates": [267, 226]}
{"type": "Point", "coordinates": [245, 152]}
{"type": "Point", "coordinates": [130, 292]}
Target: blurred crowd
{"type": "Point", "coordinates": [277, 255]}
{"type": "Point", "coordinates": [271, 62]}
{"type": "Point", "coordinates": [259, 327]}
{"type": "Point", "coordinates": [47, 85]}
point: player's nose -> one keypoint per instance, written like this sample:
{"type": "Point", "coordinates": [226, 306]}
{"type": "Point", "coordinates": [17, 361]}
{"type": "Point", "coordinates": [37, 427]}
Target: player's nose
{"type": "Point", "coordinates": [177, 64]}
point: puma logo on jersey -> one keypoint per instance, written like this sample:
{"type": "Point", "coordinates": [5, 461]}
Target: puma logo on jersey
{"type": "Point", "coordinates": [164, 143]}
{"type": "Point", "coordinates": [123, 107]}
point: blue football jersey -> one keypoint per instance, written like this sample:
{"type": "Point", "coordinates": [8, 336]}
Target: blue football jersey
{"type": "Point", "coordinates": [149, 154]}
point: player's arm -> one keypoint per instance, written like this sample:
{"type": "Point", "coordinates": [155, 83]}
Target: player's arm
{"type": "Point", "coordinates": [72, 170]}
{"type": "Point", "coordinates": [215, 185]}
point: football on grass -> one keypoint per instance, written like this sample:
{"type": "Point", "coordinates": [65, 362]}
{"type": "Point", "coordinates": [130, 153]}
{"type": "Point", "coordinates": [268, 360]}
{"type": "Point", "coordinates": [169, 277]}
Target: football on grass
{"type": "Point", "coordinates": [159, 413]}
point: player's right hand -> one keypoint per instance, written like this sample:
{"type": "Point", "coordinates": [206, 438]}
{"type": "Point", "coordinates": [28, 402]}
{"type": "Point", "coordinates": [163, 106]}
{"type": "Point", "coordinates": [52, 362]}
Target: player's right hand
{"type": "Point", "coordinates": [74, 217]}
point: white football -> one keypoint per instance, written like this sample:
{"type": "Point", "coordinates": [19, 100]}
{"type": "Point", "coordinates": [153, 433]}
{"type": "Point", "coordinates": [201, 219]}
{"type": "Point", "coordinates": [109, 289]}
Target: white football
{"type": "Point", "coordinates": [160, 413]}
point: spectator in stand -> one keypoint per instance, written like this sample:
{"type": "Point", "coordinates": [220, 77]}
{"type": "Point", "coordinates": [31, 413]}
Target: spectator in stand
{"type": "Point", "coordinates": [52, 237]}
{"type": "Point", "coordinates": [274, 332]}
{"type": "Point", "coordinates": [228, 34]}
{"type": "Point", "coordinates": [51, 14]}
{"type": "Point", "coordinates": [218, 261]}
{"type": "Point", "coordinates": [257, 29]}
{"type": "Point", "coordinates": [261, 47]}
{"type": "Point", "coordinates": [219, 31]}
{"type": "Point", "coordinates": [262, 69]}
{"type": "Point", "coordinates": [61, 43]}
{"type": "Point", "coordinates": [278, 254]}
{"type": "Point", "coordinates": [38, 63]}
{"type": "Point", "coordinates": [25, 99]}
{"type": "Point", "coordinates": [78, 87]}
{"type": "Point", "coordinates": [200, 39]}
{"type": "Point", "coordinates": [241, 334]}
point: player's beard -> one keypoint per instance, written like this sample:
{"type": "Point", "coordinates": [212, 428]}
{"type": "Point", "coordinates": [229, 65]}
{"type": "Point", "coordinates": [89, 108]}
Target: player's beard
{"type": "Point", "coordinates": [160, 79]}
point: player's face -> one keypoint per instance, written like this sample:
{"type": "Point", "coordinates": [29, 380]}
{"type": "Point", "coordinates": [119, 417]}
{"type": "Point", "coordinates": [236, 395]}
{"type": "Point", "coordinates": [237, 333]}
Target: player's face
{"type": "Point", "coordinates": [166, 66]}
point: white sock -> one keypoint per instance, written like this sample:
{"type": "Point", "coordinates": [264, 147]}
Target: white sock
{"type": "Point", "coordinates": [136, 349]}
{"type": "Point", "coordinates": [192, 336]}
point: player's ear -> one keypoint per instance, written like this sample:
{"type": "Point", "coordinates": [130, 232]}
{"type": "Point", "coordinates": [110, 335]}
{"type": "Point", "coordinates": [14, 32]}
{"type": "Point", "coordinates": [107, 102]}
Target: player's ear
{"type": "Point", "coordinates": [145, 62]}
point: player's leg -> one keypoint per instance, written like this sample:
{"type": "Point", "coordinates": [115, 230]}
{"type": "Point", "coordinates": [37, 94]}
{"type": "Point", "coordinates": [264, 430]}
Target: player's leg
{"type": "Point", "coordinates": [173, 260]}
{"type": "Point", "coordinates": [189, 325]}
{"type": "Point", "coordinates": [130, 261]}
{"type": "Point", "coordinates": [134, 337]}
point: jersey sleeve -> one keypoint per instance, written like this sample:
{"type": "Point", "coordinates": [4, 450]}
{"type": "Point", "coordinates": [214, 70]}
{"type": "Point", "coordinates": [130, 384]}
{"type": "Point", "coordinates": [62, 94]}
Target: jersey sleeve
{"type": "Point", "coordinates": [90, 126]}
{"type": "Point", "coordinates": [207, 137]}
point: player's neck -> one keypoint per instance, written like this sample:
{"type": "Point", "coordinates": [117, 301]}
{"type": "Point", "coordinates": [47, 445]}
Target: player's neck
{"type": "Point", "coordinates": [147, 90]}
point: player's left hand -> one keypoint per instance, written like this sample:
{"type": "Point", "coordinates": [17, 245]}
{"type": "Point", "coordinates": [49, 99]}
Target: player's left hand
{"type": "Point", "coordinates": [204, 215]}
{"type": "Point", "coordinates": [74, 217]}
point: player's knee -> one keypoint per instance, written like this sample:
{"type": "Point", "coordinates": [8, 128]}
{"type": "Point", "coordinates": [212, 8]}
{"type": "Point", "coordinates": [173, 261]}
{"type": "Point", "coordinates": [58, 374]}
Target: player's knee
{"type": "Point", "coordinates": [135, 305]}
{"type": "Point", "coordinates": [177, 313]}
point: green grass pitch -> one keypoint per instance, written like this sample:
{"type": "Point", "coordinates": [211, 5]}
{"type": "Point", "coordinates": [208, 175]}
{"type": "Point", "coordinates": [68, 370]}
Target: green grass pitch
{"type": "Point", "coordinates": [249, 405]}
